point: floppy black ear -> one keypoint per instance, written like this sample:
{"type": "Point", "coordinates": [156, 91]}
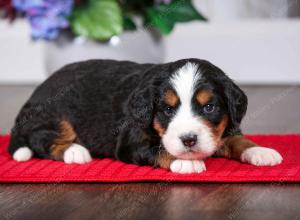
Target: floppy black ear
{"type": "Point", "coordinates": [236, 102]}
{"type": "Point", "coordinates": [140, 105]}
{"type": "Point", "coordinates": [142, 100]}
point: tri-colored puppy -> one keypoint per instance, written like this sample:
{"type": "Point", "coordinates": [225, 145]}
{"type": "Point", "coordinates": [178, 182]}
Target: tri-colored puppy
{"type": "Point", "coordinates": [171, 115]}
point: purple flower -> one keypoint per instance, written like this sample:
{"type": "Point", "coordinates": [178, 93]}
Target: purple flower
{"type": "Point", "coordinates": [46, 17]}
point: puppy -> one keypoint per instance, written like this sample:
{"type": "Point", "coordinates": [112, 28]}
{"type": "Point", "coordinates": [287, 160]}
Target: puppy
{"type": "Point", "coordinates": [171, 115]}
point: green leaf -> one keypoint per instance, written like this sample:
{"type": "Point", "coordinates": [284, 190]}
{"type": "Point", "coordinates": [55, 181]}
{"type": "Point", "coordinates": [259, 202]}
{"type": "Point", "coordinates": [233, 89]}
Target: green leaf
{"type": "Point", "coordinates": [162, 23]}
{"type": "Point", "coordinates": [97, 19]}
{"type": "Point", "coordinates": [183, 11]}
{"type": "Point", "coordinates": [129, 24]}
{"type": "Point", "coordinates": [164, 16]}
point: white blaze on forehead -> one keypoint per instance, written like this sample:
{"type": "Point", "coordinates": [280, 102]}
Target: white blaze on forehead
{"type": "Point", "coordinates": [184, 82]}
{"type": "Point", "coordinates": [185, 121]}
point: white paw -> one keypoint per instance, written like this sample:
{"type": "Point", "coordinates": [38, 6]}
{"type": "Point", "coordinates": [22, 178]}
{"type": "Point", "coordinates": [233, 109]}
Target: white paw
{"type": "Point", "coordinates": [187, 166]}
{"type": "Point", "coordinates": [77, 154]}
{"type": "Point", "coordinates": [23, 154]}
{"type": "Point", "coordinates": [261, 156]}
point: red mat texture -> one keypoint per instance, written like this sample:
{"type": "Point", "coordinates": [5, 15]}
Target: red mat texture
{"type": "Point", "coordinates": [107, 170]}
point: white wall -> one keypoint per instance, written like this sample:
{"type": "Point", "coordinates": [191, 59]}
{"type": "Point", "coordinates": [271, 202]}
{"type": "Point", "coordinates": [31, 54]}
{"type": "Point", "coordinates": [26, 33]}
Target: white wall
{"type": "Point", "coordinates": [21, 60]}
{"type": "Point", "coordinates": [251, 52]}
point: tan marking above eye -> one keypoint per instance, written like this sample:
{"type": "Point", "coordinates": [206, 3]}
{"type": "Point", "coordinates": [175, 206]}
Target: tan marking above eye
{"type": "Point", "coordinates": [203, 96]}
{"type": "Point", "coordinates": [171, 98]}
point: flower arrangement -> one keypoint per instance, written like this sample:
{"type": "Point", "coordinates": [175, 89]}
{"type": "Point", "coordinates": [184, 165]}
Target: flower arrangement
{"type": "Point", "coordinates": [98, 19]}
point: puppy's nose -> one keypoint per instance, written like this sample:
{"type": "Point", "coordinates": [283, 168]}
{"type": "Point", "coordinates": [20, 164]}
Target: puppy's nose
{"type": "Point", "coordinates": [189, 140]}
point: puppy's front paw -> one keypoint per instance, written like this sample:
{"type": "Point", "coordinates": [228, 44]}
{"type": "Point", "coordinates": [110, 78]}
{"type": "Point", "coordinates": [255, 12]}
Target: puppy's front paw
{"type": "Point", "coordinates": [261, 156]}
{"type": "Point", "coordinates": [23, 154]}
{"type": "Point", "coordinates": [77, 154]}
{"type": "Point", "coordinates": [187, 166]}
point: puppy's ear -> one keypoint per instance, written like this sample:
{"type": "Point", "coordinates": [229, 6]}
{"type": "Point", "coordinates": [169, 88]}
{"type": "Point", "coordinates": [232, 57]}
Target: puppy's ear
{"type": "Point", "coordinates": [141, 102]}
{"type": "Point", "coordinates": [140, 105]}
{"type": "Point", "coordinates": [236, 102]}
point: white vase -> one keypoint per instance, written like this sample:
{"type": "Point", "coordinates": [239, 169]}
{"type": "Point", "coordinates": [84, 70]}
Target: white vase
{"type": "Point", "coordinates": [142, 46]}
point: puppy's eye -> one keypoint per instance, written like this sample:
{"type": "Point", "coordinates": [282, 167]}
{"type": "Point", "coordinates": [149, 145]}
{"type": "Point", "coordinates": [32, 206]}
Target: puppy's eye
{"type": "Point", "coordinates": [169, 111]}
{"type": "Point", "coordinates": [209, 108]}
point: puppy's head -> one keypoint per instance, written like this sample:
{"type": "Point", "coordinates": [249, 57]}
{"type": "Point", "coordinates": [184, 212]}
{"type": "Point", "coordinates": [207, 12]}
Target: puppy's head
{"type": "Point", "coordinates": [191, 104]}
